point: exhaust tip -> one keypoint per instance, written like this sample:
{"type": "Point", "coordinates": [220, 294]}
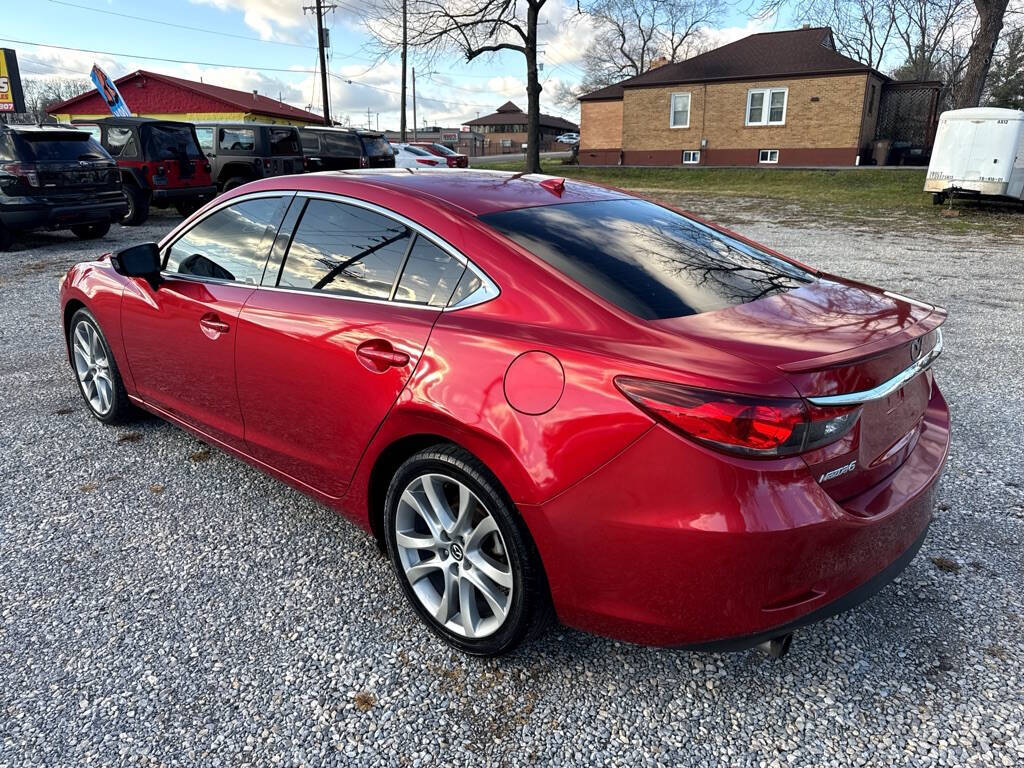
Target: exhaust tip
{"type": "Point", "coordinates": [777, 647]}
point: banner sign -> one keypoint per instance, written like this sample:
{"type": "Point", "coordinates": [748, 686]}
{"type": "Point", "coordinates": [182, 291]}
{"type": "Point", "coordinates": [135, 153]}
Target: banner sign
{"type": "Point", "coordinates": [12, 97]}
{"type": "Point", "coordinates": [449, 136]}
{"type": "Point", "coordinates": [109, 92]}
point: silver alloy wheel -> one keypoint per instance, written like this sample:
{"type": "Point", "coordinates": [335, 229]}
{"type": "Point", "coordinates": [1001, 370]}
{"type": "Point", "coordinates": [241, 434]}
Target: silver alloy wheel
{"type": "Point", "coordinates": [453, 555]}
{"type": "Point", "coordinates": [92, 367]}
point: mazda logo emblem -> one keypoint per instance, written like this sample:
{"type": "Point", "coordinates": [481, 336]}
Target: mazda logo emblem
{"type": "Point", "coordinates": [915, 349]}
{"type": "Point", "coordinates": [456, 552]}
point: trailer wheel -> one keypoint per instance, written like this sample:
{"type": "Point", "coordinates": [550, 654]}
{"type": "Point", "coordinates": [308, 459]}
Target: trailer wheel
{"type": "Point", "coordinates": [938, 198]}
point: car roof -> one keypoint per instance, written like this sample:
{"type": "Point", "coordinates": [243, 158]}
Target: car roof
{"type": "Point", "coordinates": [127, 121]}
{"type": "Point", "coordinates": [474, 191]}
{"type": "Point", "coordinates": [37, 128]}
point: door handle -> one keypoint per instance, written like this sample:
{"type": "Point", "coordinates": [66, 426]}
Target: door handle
{"type": "Point", "coordinates": [213, 326]}
{"type": "Point", "coordinates": [378, 355]}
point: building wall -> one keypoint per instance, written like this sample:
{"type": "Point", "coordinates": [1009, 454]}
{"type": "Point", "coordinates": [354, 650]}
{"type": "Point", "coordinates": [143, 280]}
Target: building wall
{"type": "Point", "coordinates": [600, 124]}
{"type": "Point", "coordinates": [870, 111]}
{"type": "Point", "coordinates": [188, 117]}
{"type": "Point", "coordinates": [825, 117]}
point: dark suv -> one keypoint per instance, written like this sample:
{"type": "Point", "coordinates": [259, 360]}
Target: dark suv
{"type": "Point", "coordinates": [54, 177]}
{"type": "Point", "coordinates": [338, 149]}
{"type": "Point", "coordinates": [160, 160]}
{"type": "Point", "coordinates": [242, 152]}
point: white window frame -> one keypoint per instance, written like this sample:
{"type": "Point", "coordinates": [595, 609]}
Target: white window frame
{"type": "Point", "coordinates": [766, 106]}
{"type": "Point", "coordinates": [694, 155]}
{"type": "Point", "coordinates": [672, 109]}
{"type": "Point", "coordinates": [761, 153]}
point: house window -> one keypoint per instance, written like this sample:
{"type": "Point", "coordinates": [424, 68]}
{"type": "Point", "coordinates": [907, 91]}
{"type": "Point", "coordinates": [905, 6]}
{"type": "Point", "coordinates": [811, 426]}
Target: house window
{"type": "Point", "coordinates": [768, 156]}
{"type": "Point", "coordinates": [691, 156]}
{"type": "Point", "coordinates": [679, 111]}
{"type": "Point", "coordinates": [766, 106]}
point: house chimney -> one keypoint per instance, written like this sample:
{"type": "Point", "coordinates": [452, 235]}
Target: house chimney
{"type": "Point", "coordinates": [805, 26]}
{"type": "Point", "coordinates": [254, 92]}
{"type": "Point", "coordinates": [661, 61]}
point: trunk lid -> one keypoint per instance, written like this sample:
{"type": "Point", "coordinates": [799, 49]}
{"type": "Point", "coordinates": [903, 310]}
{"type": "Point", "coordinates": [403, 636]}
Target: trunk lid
{"type": "Point", "coordinates": [834, 337]}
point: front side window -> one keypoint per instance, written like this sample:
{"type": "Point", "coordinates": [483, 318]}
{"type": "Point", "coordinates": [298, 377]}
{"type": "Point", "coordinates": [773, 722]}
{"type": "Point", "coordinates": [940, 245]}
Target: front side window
{"type": "Point", "coordinates": [645, 259]}
{"type": "Point", "coordinates": [430, 275]}
{"type": "Point", "coordinates": [766, 106]}
{"type": "Point", "coordinates": [345, 249]}
{"type": "Point", "coordinates": [680, 111]}
{"type": "Point", "coordinates": [121, 142]}
{"type": "Point", "coordinates": [237, 139]}
{"type": "Point", "coordinates": [231, 244]}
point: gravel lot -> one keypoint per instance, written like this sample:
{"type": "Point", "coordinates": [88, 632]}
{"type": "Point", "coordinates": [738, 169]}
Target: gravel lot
{"type": "Point", "coordinates": [162, 604]}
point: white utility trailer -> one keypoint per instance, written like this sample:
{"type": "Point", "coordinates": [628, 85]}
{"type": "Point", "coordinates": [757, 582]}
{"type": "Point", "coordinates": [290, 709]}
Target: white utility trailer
{"type": "Point", "coordinates": [978, 152]}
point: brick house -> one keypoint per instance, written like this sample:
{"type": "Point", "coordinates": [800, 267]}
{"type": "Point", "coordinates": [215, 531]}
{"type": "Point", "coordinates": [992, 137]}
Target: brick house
{"type": "Point", "coordinates": [150, 94]}
{"type": "Point", "coordinates": [505, 130]}
{"type": "Point", "coordinates": [775, 98]}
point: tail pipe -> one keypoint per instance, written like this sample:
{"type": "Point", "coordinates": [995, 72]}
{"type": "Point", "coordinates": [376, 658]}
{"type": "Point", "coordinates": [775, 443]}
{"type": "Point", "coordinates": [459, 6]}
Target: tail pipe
{"type": "Point", "coordinates": [777, 647]}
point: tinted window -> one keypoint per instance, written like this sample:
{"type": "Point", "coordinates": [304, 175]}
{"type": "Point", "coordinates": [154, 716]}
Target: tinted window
{"type": "Point", "coordinates": [284, 141]}
{"type": "Point", "coordinates": [170, 142]}
{"type": "Point", "coordinates": [6, 148]}
{"type": "Point", "coordinates": [377, 146]}
{"type": "Point", "coordinates": [121, 142]}
{"type": "Point", "coordinates": [231, 244]}
{"type": "Point", "coordinates": [237, 139]}
{"type": "Point", "coordinates": [646, 259]}
{"type": "Point", "coordinates": [345, 249]}
{"type": "Point", "coordinates": [416, 151]}
{"type": "Point", "coordinates": [310, 141]}
{"type": "Point", "coordinates": [58, 147]}
{"type": "Point", "coordinates": [343, 144]}
{"type": "Point", "coordinates": [430, 275]}
{"type": "Point", "coordinates": [444, 150]}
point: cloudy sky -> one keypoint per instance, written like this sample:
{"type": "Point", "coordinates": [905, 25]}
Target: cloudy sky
{"type": "Point", "coordinates": [271, 47]}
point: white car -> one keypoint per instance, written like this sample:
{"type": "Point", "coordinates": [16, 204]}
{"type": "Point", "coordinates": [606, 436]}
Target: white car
{"type": "Point", "coordinates": [568, 138]}
{"type": "Point", "coordinates": [407, 156]}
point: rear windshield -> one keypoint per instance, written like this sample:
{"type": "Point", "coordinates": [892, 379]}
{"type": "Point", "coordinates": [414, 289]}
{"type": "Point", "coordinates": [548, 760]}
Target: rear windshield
{"type": "Point", "coordinates": [646, 259]}
{"type": "Point", "coordinates": [444, 150]}
{"type": "Point", "coordinates": [69, 147]}
{"type": "Point", "coordinates": [170, 142]}
{"type": "Point", "coordinates": [377, 146]}
{"type": "Point", "coordinates": [284, 142]}
{"type": "Point", "coordinates": [416, 151]}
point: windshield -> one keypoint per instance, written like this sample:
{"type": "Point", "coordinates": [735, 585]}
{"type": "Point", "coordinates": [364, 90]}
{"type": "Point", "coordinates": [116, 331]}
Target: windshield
{"type": "Point", "coordinates": [646, 259]}
{"type": "Point", "coordinates": [377, 146]}
{"type": "Point", "coordinates": [59, 147]}
{"type": "Point", "coordinates": [284, 141]}
{"type": "Point", "coordinates": [170, 142]}
{"type": "Point", "coordinates": [444, 150]}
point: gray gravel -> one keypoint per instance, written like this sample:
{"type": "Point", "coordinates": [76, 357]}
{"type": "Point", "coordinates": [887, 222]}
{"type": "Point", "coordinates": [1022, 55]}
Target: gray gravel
{"type": "Point", "coordinates": [164, 605]}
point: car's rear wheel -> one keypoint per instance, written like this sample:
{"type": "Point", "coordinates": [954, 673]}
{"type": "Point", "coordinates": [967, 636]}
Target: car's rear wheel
{"type": "Point", "coordinates": [91, 231]}
{"type": "Point", "coordinates": [463, 556]}
{"type": "Point", "coordinates": [234, 182]}
{"type": "Point", "coordinates": [6, 238]}
{"type": "Point", "coordinates": [186, 207]}
{"type": "Point", "coordinates": [96, 370]}
{"type": "Point", "coordinates": [138, 206]}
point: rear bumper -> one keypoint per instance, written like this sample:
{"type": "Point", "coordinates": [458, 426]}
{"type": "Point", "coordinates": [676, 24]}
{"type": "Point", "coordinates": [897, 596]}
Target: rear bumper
{"type": "Point", "coordinates": [36, 213]}
{"type": "Point", "coordinates": [708, 552]}
{"type": "Point", "coordinates": [179, 194]}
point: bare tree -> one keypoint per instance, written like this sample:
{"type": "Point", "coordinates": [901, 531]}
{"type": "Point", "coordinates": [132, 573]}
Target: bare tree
{"type": "Point", "coordinates": [1005, 86]}
{"type": "Point", "coordinates": [43, 92]}
{"type": "Point", "coordinates": [990, 23]}
{"type": "Point", "coordinates": [862, 29]}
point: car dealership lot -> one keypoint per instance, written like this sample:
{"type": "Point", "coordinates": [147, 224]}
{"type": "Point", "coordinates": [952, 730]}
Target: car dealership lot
{"type": "Point", "coordinates": [161, 603]}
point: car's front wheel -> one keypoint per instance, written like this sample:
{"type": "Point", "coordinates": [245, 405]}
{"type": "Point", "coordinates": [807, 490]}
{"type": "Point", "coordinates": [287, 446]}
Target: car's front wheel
{"type": "Point", "coordinates": [91, 231]}
{"type": "Point", "coordinates": [463, 556]}
{"type": "Point", "coordinates": [96, 370]}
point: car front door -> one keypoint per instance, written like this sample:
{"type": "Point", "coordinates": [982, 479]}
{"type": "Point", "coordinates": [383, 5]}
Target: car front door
{"type": "Point", "coordinates": [180, 337]}
{"type": "Point", "coordinates": [327, 346]}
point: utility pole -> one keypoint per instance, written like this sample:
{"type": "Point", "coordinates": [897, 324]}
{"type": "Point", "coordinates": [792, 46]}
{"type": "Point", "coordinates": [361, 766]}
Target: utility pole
{"type": "Point", "coordinates": [322, 43]}
{"type": "Point", "coordinates": [405, 49]}
{"type": "Point", "coordinates": [369, 124]}
{"type": "Point", "coordinates": [414, 136]}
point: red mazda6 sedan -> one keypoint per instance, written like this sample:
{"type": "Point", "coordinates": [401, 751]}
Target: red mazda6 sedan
{"type": "Point", "coordinates": [539, 394]}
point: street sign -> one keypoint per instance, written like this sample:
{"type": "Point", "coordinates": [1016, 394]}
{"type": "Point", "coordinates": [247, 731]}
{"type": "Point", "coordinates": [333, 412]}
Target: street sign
{"type": "Point", "coordinates": [12, 97]}
{"type": "Point", "coordinates": [109, 92]}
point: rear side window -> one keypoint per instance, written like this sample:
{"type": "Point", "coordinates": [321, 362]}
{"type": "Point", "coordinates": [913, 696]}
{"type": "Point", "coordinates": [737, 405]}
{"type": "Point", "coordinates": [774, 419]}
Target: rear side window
{"type": "Point", "coordinates": [284, 141]}
{"type": "Point", "coordinates": [345, 249]}
{"type": "Point", "coordinates": [237, 139]}
{"type": "Point", "coordinates": [231, 244]}
{"type": "Point", "coordinates": [646, 259]}
{"type": "Point", "coordinates": [57, 147]}
{"type": "Point", "coordinates": [205, 136]}
{"type": "Point", "coordinates": [310, 142]}
{"type": "Point", "coordinates": [377, 146]}
{"type": "Point", "coordinates": [345, 144]}
{"type": "Point", "coordinates": [430, 275]}
{"type": "Point", "coordinates": [121, 142]}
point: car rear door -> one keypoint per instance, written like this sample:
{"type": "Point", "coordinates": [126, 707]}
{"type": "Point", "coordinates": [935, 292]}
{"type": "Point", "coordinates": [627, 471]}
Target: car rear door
{"type": "Point", "coordinates": [180, 338]}
{"type": "Point", "coordinates": [327, 345]}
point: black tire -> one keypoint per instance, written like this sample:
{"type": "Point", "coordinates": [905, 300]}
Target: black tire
{"type": "Point", "coordinates": [91, 231]}
{"type": "Point", "coordinates": [138, 206]}
{"type": "Point", "coordinates": [120, 408]}
{"type": "Point", "coordinates": [186, 207]}
{"type": "Point", "coordinates": [938, 198]}
{"type": "Point", "coordinates": [529, 611]}
{"type": "Point", "coordinates": [6, 238]}
{"type": "Point", "coordinates": [234, 182]}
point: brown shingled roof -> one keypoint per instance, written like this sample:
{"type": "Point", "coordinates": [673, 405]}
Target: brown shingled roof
{"type": "Point", "coordinates": [509, 113]}
{"type": "Point", "coordinates": [792, 53]}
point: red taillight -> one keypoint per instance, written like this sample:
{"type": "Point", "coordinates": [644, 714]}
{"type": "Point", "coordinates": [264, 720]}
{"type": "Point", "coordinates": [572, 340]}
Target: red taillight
{"type": "Point", "coordinates": [738, 424]}
{"type": "Point", "coordinates": [25, 172]}
{"type": "Point", "coordinates": [426, 161]}
{"type": "Point", "coordinates": [267, 164]}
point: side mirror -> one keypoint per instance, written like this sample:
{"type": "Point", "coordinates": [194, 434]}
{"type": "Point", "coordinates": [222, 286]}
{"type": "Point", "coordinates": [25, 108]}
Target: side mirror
{"type": "Point", "coordinates": [139, 261]}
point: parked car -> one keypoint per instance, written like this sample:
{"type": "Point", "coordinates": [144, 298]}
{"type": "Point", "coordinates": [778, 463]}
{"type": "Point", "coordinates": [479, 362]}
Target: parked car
{"type": "Point", "coordinates": [408, 156]}
{"type": "Point", "coordinates": [339, 149]}
{"type": "Point", "coordinates": [568, 138]}
{"type": "Point", "coordinates": [160, 161]}
{"type": "Point", "coordinates": [449, 155]}
{"type": "Point", "coordinates": [56, 177]}
{"type": "Point", "coordinates": [243, 152]}
{"type": "Point", "coordinates": [539, 392]}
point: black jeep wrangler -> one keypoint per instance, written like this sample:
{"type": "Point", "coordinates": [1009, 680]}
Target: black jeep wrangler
{"type": "Point", "coordinates": [56, 177]}
{"type": "Point", "coordinates": [243, 152]}
{"type": "Point", "coordinates": [160, 160]}
{"type": "Point", "coordinates": [339, 149]}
